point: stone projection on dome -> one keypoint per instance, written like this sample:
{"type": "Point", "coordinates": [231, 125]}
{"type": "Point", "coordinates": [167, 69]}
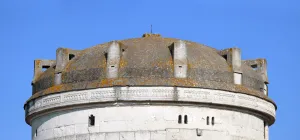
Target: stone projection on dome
{"type": "Point", "coordinates": [150, 88]}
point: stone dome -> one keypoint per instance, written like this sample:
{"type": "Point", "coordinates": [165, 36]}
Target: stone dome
{"type": "Point", "coordinates": [149, 61]}
{"type": "Point", "coordinates": [150, 88]}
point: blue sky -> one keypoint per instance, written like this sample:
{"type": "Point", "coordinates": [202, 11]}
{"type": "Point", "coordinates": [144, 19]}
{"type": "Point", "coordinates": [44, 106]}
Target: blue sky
{"type": "Point", "coordinates": [34, 29]}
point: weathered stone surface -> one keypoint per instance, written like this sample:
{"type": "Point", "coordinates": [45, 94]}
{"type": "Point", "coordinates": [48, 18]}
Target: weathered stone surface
{"type": "Point", "coordinates": [149, 122]}
{"type": "Point", "coordinates": [149, 61]}
{"type": "Point", "coordinates": [150, 88]}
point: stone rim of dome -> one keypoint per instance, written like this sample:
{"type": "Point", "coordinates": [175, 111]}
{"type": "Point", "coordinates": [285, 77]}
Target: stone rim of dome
{"type": "Point", "coordinates": [115, 96]}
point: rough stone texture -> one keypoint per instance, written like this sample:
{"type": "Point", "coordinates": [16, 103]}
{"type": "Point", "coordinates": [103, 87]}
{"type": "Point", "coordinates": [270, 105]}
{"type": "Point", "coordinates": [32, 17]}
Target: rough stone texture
{"type": "Point", "coordinates": [113, 60]}
{"type": "Point", "coordinates": [148, 122]}
{"type": "Point", "coordinates": [180, 59]}
{"type": "Point", "coordinates": [150, 88]}
{"type": "Point", "coordinates": [233, 58]}
{"type": "Point", "coordinates": [39, 65]}
{"type": "Point", "coordinates": [148, 61]}
{"type": "Point", "coordinates": [260, 66]}
{"type": "Point", "coordinates": [166, 95]}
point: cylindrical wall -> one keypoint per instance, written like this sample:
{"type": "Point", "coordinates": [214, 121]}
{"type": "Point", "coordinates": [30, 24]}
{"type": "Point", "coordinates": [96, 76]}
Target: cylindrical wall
{"type": "Point", "coordinates": [147, 122]}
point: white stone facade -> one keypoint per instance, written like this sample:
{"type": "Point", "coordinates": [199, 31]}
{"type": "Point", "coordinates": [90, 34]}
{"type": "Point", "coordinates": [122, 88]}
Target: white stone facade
{"type": "Point", "coordinates": [149, 113]}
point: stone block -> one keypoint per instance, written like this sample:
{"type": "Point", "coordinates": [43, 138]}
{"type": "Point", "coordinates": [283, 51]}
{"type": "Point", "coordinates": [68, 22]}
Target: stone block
{"type": "Point", "coordinates": [158, 135]}
{"type": "Point", "coordinates": [112, 136]}
{"type": "Point", "coordinates": [142, 135]}
{"type": "Point", "coordinates": [126, 135]}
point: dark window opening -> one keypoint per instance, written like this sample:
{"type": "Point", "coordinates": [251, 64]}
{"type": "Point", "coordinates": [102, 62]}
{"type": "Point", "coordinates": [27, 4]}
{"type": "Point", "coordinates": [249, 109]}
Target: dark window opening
{"type": "Point", "coordinates": [179, 119]}
{"type": "Point", "coordinates": [44, 68]}
{"type": "Point", "coordinates": [35, 133]}
{"type": "Point", "coordinates": [207, 120]}
{"type": "Point", "coordinates": [185, 119]}
{"type": "Point", "coordinates": [199, 132]}
{"type": "Point", "coordinates": [225, 56]}
{"type": "Point", "coordinates": [71, 56]}
{"type": "Point", "coordinates": [171, 48]}
{"type": "Point", "coordinates": [123, 50]}
{"type": "Point", "coordinates": [264, 129]}
{"type": "Point", "coordinates": [180, 66]}
{"type": "Point", "coordinates": [254, 67]}
{"type": "Point", "coordinates": [213, 120]}
{"type": "Point", "coordinates": [92, 120]}
{"type": "Point", "coordinates": [112, 66]}
{"type": "Point", "coordinates": [106, 56]}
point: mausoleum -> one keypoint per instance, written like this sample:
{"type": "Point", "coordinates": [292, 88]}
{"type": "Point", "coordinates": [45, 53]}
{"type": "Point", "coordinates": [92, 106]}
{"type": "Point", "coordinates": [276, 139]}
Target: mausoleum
{"type": "Point", "coordinates": [150, 88]}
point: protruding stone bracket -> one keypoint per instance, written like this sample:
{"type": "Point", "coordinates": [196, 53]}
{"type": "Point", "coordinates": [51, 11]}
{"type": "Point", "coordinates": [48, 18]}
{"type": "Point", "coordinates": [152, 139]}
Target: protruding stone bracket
{"type": "Point", "coordinates": [179, 54]}
{"type": "Point", "coordinates": [260, 66]}
{"type": "Point", "coordinates": [113, 56]}
{"type": "Point", "coordinates": [40, 66]}
{"type": "Point", "coordinates": [233, 58]}
{"type": "Point", "coordinates": [63, 56]}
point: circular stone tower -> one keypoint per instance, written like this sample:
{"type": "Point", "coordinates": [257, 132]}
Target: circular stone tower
{"type": "Point", "coordinates": [150, 88]}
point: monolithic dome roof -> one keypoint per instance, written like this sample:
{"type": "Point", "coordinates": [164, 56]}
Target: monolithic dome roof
{"type": "Point", "coordinates": [147, 61]}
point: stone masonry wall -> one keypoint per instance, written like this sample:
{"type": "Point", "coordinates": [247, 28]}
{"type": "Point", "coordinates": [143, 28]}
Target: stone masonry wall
{"type": "Point", "coordinates": [148, 123]}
